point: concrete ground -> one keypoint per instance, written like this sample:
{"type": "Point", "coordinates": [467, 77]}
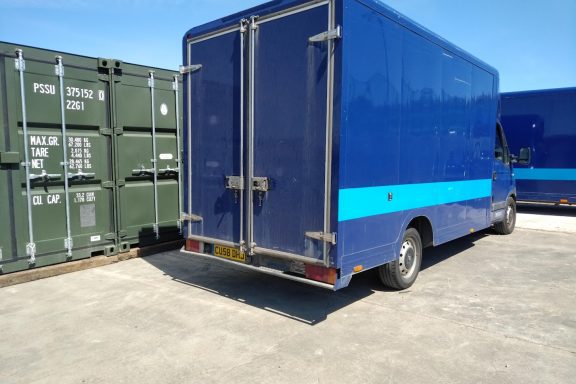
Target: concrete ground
{"type": "Point", "coordinates": [547, 217]}
{"type": "Point", "coordinates": [485, 309]}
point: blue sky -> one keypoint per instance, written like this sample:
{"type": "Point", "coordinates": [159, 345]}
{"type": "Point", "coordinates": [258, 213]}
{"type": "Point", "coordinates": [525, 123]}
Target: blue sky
{"type": "Point", "coordinates": [531, 42]}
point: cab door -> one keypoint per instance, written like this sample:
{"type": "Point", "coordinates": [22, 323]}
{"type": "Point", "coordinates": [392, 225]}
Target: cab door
{"type": "Point", "coordinates": [502, 177]}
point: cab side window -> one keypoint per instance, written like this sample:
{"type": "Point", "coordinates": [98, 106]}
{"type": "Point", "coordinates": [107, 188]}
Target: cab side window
{"type": "Point", "coordinates": [500, 148]}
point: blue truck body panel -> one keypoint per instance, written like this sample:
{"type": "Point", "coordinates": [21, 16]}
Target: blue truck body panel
{"type": "Point", "coordinates": [544, 121]}
{"type": "Point", "coordinates": [396, 124]}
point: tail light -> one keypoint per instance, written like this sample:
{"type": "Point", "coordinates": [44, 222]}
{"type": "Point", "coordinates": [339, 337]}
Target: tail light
{"type": "Point", "coordinates": [318, 273]}
{"type": "Point", "coordinates": [193, 245]}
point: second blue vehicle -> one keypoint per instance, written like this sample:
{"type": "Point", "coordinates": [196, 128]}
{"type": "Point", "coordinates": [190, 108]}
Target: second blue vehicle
{"type": "Point", "coordinates": [326, 138]}
{"type": "Point", "coordinates": [545, 121]}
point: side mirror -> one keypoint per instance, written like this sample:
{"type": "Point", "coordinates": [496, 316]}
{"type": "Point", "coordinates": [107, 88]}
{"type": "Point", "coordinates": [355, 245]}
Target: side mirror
{"type": "Point", "coordinates": [525, 156]}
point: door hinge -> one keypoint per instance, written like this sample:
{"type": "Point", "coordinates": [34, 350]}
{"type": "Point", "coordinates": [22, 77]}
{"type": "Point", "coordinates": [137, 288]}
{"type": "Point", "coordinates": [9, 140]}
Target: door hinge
{"type": "Point", "coordinates": [332, 34]}
{"type": "Point", "coordinates": [326, 237]}
{"type": "Point", "coordinates": [110, 236]}
{"type": "Point", "coordinates": [190, 68]}
{"type": "Point", "coordinates": [191, 217]}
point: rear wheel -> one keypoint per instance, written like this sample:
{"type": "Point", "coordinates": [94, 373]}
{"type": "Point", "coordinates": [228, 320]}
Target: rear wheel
{"type": "Point", "coordinates": [506, 227]}
{"type": "Point", "coordinates": [401, 273]}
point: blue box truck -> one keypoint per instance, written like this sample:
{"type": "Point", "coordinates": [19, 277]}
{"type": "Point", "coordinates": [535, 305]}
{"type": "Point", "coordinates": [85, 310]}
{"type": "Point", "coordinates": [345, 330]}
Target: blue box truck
{"type": "Point", "coordinates": [544, 121]}
{"type": "Point", "coordinates": [325, 138]}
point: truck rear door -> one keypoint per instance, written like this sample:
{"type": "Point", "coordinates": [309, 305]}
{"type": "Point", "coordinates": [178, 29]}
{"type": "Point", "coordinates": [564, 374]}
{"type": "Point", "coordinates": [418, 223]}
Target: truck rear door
{"type": "Point", "coordinates": [261, 134]}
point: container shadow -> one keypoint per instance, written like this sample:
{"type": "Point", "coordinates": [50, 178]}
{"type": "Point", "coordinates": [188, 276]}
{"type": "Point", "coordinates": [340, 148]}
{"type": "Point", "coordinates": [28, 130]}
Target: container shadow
{"type": "Point", "coordinates": [547, 209]}
{"type": "Point", "coordinates": [299, 302]}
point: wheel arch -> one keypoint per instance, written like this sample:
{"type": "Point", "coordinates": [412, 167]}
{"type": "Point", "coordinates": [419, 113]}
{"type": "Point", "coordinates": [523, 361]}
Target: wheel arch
{"type": "Point", "coordinates": [424, 227]}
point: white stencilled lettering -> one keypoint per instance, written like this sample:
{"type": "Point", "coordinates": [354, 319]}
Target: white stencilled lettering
{"type": "Point", "coordinates": [40, 152]}
{"type": "Point", "coordinates": [37, 200]}
{"type": "Point", "coordinates": [53, 199]}
{"type": "Point", "coordinates": [81, 93]}
{"type": "Point", "coordinates": [75, 105]}
{"type": "Point", "coordinates": [45, 89]}
{"type": "Point", "coordinates": [37, 163]}
{"type": "Point", "coordinates": [44, 140]}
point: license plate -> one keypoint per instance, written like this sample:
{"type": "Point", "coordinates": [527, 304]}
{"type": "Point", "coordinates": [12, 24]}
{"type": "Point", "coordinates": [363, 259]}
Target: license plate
{"type": "Point", "coordinates": [229, 253]}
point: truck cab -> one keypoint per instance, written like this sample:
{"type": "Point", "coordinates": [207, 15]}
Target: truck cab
{"type": "Point", "coordinates": [503, 183]}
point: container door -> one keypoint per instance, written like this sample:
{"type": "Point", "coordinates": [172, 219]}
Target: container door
{"type": "Point", "coordinates": [214, 133]}
{"type": "Point", "coordinates": [290, 69]}
{"type": "Point", "coordinates": [55, 117]}
{"type": "Point", "coordinates": [146, 118]}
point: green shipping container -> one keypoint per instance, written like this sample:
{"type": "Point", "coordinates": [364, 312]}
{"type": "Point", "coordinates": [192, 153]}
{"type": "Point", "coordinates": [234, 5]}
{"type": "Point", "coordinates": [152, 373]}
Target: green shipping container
{"type": "Point", "coordinates": [89, 157]}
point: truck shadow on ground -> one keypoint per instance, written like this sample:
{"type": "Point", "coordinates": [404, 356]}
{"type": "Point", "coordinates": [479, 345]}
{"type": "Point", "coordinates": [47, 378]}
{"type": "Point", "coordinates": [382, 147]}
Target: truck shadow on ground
{"type": "Point", "coordinates": [547, 209]}
{"type": "Point", "coordinates": [306, 304]}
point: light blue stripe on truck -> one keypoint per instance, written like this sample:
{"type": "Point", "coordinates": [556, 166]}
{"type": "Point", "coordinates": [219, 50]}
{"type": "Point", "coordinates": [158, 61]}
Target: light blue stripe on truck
{"type": "Point", "coordinates": [356, 203]}
{"type": "Point", "coordinates": [553, 174]}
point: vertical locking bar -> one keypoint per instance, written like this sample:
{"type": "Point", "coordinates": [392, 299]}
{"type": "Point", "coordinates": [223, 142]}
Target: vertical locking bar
{"type": "Point", "coordinates": [250, 191]}
{"type": "Point", "coordinates": [178, 153]}
{"type": "Point", "coordinates": [59, 68]}
{"type": "Point", "coordinates": [329, 129]}
{"type": "Point", "coordinates": [31, 246]}
{"type": "Point", "coordinates": [243, 28]}
{"type": "Point", "coordinates": [189, 144]}
{"type": "Point", "coordinates": [154, 159]}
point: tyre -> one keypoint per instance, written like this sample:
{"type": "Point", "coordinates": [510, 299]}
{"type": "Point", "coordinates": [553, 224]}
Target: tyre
{"type": "Point", "coordinates": [506, 227]}
{"type": "Point", "coordinates": [401, 273]}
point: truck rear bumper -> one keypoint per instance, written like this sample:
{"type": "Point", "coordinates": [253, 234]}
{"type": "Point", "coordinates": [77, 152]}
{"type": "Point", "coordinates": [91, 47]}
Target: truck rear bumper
{"type": "Point", "coordinates": [265, 270]}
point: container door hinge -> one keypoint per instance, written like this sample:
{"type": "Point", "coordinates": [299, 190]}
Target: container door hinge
{"type": "Point", "coordinates": [191, 217]}
{"type": "Point", "coordinates": [108, 184]}
{"type": "Point", "coordinates": [110, 236]}
{"type": "Point", "coordinates": [184, 69]}
{"type": "Point", "coordinates": [122, 233]}
{"type": "Point", "coordinates": [332, 34]}
{"type": "Point", "coordinates": [326, 237]}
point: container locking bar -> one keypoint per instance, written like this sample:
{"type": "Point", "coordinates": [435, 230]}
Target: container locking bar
{"type": "Point", "coordinates": [31, 246]}
{"type": "Point", "coordinates": [332, 34]}
{"type": "Point", "coordinates": [168, 171]}
{"type": "Point", "coordinates": [325, 237]}
{"type": "Point", "coordinates": [142, 171]}
{"type": "Point", "coordinates": [81, 175]}
{"type": "Point", "coordinates": [43, 176]}
{"type": "Point", "coordinates": [59, 70]}
{"type": "Point", "coordinates": [154, 160]}
{"type": "Point", "coordinates": [178, 150]}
